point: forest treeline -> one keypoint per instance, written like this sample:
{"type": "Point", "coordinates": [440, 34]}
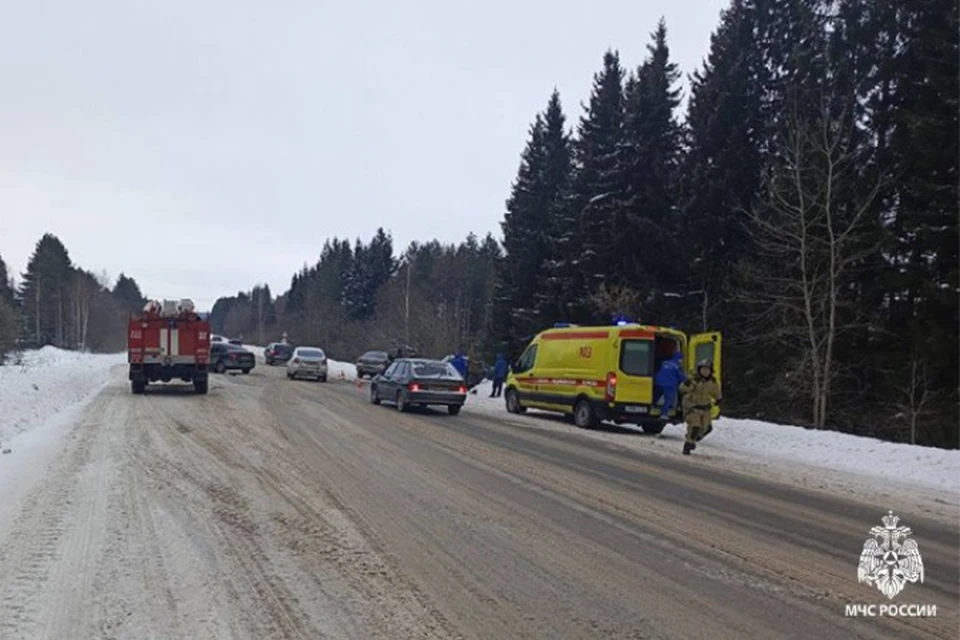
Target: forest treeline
{"type": "Point", "coordinates": [59, 303]}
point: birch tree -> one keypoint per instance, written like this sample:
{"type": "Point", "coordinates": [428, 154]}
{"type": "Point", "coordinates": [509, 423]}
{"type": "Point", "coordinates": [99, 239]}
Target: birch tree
{"type": "Point", "coordinates": [812, 231]}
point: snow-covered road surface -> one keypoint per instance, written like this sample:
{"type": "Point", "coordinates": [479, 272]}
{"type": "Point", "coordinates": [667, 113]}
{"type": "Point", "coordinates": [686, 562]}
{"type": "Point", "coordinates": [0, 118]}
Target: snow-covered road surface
{"type": "Point", "coordinates": [279, 509]}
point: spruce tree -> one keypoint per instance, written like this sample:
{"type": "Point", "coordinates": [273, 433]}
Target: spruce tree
{"type": "Point", "coordinates": [7, 293]}
{"type": "Point", "coordinates": [558, 231]}
{"type": "Point", "coordinates": [128, 293]}
{"type": "Point", "coordinates": [647, 246]}
{"type": "Point", "coordinates": [599, 184]}
{"type": "Point", "coordinates": [524, 241]}
{"type": "Point", "coordinates": [44, 292]}
{"type": "Point", "coordinates": [723, 164]}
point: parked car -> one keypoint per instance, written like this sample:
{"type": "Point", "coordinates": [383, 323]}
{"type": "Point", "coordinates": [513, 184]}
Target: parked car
{"type": "Point", "coordinates": [411, 382]}
{"type": "Point", "coordinates": [236, 341]}
{"type": "Point", "coordinates": [308, 362]}
{"type": "Point", "coordinates": [372, 363]}
{"type": "Point", "coordinates": [216, 338]}
{"type": "Point", "coordinates": [277, 352]}
{"type": "Point", "coordinates": [225, 356]}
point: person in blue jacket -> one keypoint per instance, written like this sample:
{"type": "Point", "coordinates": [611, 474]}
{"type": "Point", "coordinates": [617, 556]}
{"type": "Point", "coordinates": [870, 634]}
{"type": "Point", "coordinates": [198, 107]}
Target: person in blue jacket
{"type": "Point", "coordinates": [500, 369]}
{"type": "Point", "coordinates": [459, 363]}
{"type": "Point", "coordinates": [667, 382]}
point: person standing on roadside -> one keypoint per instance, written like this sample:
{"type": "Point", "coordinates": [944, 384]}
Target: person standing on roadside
{"type": "Point", "coordinates": [500, 369]}
{"type": "Point", "coordinates": [460, 363]}
{"type": "Point", "coordinates": [700, 393]}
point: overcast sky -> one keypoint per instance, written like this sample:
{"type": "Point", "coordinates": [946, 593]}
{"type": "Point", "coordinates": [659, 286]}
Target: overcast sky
{"type": "Point", "coordinates": [202, 147]}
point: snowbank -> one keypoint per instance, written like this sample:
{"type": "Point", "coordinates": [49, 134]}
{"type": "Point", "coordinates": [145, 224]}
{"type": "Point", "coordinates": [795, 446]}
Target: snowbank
{"type": "Point", "coordinates": [765, 443]}
{"type": "Point", "coordinates": [47, 382]}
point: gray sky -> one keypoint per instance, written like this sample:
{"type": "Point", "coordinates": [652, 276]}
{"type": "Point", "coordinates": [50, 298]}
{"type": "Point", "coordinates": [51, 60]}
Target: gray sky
{"type": "Point", "coordinates": [202, 147]}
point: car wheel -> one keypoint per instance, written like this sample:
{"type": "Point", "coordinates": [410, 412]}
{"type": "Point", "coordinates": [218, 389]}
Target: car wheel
{"type": "Point", "coordinates": [584, 416]}
{"type": "Point", "coordinates": [289, 376]}
{"type": "Point", "coordinates": [374, 394]}
{"type": "Point", "coordinates": [245, 371]}
{"type": "Point", "coordinates": [323, 378]}
{"type": "Point", "coordinates": [513, 402]}
{"type": "Point", "coordinates": [653, 427]}
{"type": "Point", "coordinates": [221, 367]}
{"type": "Point", "coordinates": [454, 409]}
{"type": "Point", "coordinates": [402, 404]}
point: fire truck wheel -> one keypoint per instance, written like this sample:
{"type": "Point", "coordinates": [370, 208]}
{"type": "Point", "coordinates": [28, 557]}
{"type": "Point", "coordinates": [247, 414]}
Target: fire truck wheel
{"type": "Point", "coordinates": [138, 386]}
{"type": "Point", "coordinates": [201, 386]}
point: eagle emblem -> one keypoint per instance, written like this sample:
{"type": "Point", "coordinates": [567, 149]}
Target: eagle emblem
{"type": "Point", "coordinates": [890, 559]}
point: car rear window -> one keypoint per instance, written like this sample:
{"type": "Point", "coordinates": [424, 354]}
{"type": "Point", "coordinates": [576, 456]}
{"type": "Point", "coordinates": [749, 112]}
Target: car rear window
{"type": "Point", "coordinates": [434, 370]}
{"type": "Point", "coordinates": [310, 353]}
{"type": "Point", "coordinates": [375, 355]}
{"type": "Point", "coordinates": [636, 357]}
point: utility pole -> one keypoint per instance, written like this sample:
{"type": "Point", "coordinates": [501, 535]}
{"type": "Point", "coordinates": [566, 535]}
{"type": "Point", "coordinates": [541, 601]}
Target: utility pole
{"type": "Point", "coordinates": [406, 307]}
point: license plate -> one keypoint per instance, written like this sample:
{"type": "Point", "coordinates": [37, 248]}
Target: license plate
{"type": "Point", "coordinates": [634, 408]}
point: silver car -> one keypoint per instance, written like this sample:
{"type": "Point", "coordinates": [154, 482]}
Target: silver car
{"type": "Point", "coordinates": [308, 362]}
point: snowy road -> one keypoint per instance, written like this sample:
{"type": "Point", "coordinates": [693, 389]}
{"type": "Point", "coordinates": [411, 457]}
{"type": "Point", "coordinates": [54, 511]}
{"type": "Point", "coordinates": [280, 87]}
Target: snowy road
{"type": "Point", "coordinates": [277, 509]}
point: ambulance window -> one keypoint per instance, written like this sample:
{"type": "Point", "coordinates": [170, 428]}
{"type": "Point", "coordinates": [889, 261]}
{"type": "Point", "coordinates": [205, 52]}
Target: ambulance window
{"type": "Point", "coordinates": [704, 352]}
{"type": "Point", "coordinates": [525, 363]}
{"type": "Point", "coordinates": [636, 357]}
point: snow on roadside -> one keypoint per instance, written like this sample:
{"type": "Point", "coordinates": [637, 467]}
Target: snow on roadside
{"type": "Point", "coordinates": [765, 443]}
{"type": "Point", "coordinates": [46, 382]}
{"type": "Point", "coordinates": [40, 398]}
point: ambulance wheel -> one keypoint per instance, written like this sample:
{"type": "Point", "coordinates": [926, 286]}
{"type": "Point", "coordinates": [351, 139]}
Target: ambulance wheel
{"type": "Point", "coordinates": [653, 428]}
{"type": "Point", "coordinates": [513, 402]}
{"type": "Point", "coordinates": [584, 416]}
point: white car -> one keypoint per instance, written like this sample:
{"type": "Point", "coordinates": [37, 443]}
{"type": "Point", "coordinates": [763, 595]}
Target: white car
{"type": "Point", "coordinates": [308, 362]}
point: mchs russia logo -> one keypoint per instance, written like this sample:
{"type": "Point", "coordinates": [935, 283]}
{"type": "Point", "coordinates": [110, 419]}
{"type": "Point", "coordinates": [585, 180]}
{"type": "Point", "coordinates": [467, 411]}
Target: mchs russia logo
{"type": "Point", "coordinates": [890, 559]}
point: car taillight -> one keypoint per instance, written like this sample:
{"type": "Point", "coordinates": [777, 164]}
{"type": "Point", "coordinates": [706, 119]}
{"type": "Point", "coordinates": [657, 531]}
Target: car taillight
{"type": "Point", "coordinates": [296, 361]}
{"type": "Point", "coordinates": [611, 391]}
{"type": "Point", "coordinates": [413, 386]}
{"type": "Point", "coordinates": [233, 356]}
{"type": "Point", "coordinates": [461, 389]}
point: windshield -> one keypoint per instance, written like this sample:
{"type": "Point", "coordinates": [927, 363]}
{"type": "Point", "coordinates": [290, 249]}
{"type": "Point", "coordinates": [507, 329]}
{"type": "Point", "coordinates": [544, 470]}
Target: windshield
{"type": "Point", "coordinates": [434, 370]}
{"type": "Point", "coordinates": [310, 353]}
{"type": "Point", "coordinates": [375, 355]}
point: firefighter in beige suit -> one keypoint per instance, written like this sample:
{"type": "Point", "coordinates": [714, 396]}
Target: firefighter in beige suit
{"type": "Point", "coordinates": [699, 395]}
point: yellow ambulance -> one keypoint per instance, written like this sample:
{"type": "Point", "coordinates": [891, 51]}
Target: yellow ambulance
{"type": "Point", "coordinates": [604, 373]}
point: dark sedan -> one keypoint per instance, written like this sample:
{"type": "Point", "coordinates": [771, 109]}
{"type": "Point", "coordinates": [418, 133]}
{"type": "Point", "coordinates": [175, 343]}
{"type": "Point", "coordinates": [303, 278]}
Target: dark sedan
{"type": "Point", "coordinates": [225, 357]}
{"type": "Point", "coordinates": [416, 382]}
{"type": "Point", "coordinates": [372, 363]}
{"type": "Point", "coordinates": [277, 352]}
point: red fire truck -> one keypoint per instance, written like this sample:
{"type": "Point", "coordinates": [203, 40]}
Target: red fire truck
{"type": "Point", "coordinates": [168, 341]}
